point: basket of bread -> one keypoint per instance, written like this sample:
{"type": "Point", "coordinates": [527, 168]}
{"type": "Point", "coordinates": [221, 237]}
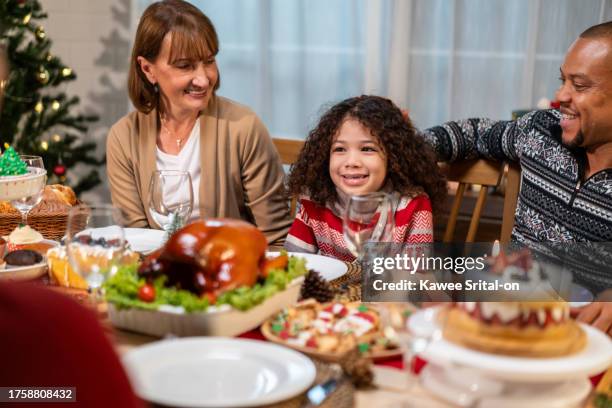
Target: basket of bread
{"type": "Point", "coordinates": [49, 217]}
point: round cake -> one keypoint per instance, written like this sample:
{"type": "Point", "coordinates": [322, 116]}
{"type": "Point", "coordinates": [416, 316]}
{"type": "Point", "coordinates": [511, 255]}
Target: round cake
{"type": "Point", "coordinates": [528, 329]}
{"type": "Point", "coordinates": [532, 322]}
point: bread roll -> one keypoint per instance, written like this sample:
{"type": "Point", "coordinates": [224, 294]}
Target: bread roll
{"type": "Point", "coordinates": [63, 193]}
{"type": "Point", "coordinates": [50, 206]}
{"type": "Point", "coordinates": [56, 198]}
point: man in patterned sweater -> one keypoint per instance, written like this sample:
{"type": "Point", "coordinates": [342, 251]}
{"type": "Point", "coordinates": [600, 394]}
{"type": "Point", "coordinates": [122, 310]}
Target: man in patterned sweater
{"type": "Point", "coordinates": [565, 158]}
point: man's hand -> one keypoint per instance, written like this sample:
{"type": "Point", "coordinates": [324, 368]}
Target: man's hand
{"type": "Point", "coordinates": [598, 314]}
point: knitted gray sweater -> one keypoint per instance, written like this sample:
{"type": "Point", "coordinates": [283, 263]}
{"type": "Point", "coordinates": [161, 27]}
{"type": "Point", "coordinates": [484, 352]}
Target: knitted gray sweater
{"type": "Point", "coordinates": [554, 204]}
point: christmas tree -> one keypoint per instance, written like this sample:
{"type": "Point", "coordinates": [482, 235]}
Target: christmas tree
{"type": "Point", "coordinates": [36, 116]}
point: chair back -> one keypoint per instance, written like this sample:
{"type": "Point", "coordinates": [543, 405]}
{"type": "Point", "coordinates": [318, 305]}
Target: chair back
{"type": "Point", "coordinates": [289, 150]}
{"type": "Point", "coordinates": [484, 173]}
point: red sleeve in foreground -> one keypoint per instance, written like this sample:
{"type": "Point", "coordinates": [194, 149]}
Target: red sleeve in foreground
{"type": "Point", "coordinates": [48, 339]}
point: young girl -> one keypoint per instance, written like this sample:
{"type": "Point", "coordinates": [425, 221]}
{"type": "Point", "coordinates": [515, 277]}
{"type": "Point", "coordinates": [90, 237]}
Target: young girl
{"type": "Point", "coordinates": [362, 145]}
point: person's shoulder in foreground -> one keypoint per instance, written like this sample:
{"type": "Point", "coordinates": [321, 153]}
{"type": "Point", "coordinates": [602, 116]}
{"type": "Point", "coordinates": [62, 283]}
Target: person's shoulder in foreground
{"type": "Point", "coordinates": [49, 340]}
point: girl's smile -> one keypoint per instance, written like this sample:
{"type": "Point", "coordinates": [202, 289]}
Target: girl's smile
{"type": "Point", "coordinates": [357, 163]}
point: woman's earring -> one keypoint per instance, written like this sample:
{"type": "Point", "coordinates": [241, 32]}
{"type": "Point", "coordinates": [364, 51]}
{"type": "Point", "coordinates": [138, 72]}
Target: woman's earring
{"type": "Point", "coordinates": [156, 88]}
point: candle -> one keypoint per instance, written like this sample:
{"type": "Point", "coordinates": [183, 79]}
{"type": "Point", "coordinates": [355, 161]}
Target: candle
{"type": "Point", "coordinates": [495, 250]}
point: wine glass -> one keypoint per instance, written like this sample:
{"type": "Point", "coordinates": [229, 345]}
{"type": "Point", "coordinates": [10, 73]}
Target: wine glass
{"type": "Point", "coordinates": [170, 199]}
{"type": "Point", "coordinates": [414, 326]}
{"type": "Point", "coordinates": [95, 243]}
{"type": "Point", "coordinates": [25, 204]}
{"type": "Point", "coordinates": [368, 218]}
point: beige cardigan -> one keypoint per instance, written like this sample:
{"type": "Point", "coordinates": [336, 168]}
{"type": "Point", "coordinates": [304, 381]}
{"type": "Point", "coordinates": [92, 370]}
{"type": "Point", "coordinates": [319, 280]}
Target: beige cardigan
{"type": "Point", "coordinates": [242, 176]}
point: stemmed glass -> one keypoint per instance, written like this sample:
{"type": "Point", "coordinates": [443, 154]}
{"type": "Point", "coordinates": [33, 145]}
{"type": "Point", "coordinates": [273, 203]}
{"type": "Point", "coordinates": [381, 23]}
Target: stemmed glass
{"type": "Point", "coordinates": [95, 243]}
{"type": "Point", "coordinates": [170, 199]}
{"type": "Point", "coordinates": [368, 218]}
{"type": "Point", "coordinates": [25, 204]}
{"type": "Point", "coordinates": [415, 327]}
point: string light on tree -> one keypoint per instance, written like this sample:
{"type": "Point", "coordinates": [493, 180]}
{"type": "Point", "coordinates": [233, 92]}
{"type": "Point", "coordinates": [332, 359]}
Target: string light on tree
{"type": "Point", "coordinates": [55, 105]}
{"type": "Point", "coordinates": [44, 145]}
{"type": "Point", "coordinates": [42, 76]}
{"type": "Point", "coordinates": [27, 18]}
{"type": "Point", "coordinates": [66, 72]}
{"type": "Point", "coordinates": [38, 108]}
{"type": "Point", "coordinates": [40, 33]}
{"type": "Point", "coordinates": [56, 138]}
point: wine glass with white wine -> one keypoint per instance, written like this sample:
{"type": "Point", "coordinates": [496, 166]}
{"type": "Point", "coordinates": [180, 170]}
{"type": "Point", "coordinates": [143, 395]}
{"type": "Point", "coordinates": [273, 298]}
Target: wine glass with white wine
{"type": "Point", "coordinates": [170, 199]}
{"type": "Point", "coordinates": [95, 244]}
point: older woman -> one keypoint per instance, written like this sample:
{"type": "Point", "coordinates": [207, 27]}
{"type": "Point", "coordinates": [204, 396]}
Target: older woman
{"type": "Point", "coordinates": [181, 124]}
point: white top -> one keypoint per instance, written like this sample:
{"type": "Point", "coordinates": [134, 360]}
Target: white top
{"type": "Point", "coordinates": [188, 159]}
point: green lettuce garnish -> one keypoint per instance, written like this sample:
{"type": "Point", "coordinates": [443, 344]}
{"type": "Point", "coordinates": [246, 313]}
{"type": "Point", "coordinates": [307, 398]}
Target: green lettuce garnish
{"type": "Point", "coordinates": [122, 290]}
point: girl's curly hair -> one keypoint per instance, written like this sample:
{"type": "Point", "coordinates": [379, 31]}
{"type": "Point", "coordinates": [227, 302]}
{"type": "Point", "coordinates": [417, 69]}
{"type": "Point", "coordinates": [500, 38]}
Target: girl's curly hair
{"type": "Point", "coordinates": [411, 161]}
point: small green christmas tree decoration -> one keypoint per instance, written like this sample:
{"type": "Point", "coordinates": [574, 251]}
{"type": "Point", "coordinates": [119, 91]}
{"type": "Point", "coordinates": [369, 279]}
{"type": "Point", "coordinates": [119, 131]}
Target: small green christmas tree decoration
{"type": "Point", "coordinates": [11, 164]}
{"type": "Point", "coordinates": [37, 118]}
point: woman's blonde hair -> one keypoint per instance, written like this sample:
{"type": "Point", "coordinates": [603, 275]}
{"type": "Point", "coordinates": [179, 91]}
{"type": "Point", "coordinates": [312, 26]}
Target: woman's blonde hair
{"type": "Point", "coordinates": [193, 37]}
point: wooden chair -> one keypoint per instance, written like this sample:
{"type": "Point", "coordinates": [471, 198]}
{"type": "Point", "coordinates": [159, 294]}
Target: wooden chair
{"type": "Point", "coordinates": [480, 172]}
{"type": "Point", "coordinates": [289, 150]}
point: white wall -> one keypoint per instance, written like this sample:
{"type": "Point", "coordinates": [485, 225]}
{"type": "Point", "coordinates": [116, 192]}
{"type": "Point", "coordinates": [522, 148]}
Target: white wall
{"type": "Point", "coordinates": [93, 38]}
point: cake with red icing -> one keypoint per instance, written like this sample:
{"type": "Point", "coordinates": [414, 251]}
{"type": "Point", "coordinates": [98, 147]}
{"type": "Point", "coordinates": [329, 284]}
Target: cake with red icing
{"type": "Point", "coordinates": [520, 328]}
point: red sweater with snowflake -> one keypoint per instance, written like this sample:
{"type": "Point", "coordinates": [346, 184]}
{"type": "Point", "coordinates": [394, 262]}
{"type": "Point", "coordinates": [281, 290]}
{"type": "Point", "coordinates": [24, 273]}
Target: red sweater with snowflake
{"type": "Point", "coordinates": [318, 229]}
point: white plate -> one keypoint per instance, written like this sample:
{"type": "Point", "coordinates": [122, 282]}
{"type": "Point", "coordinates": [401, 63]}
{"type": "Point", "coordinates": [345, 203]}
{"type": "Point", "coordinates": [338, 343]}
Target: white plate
{"type": "Point", "coordinates": [467, 388]}
{"type": "Point", "coordinates": [329, 268]}
{"type": "Point", "coordinates": [27, 272]}
{"type": "Point", "coordinates": [144, 240]}
{"type": "Point", "coordinates": [24, 272]}
{"type": "Point", "coordinates": [217, 372]}
{"type": "Point", "coordinates": [593, 359]}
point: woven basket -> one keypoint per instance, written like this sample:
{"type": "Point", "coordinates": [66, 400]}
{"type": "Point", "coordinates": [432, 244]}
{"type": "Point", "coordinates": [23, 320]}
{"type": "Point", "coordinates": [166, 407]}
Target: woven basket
{"type": "Point", "coordinates": [51, 223]}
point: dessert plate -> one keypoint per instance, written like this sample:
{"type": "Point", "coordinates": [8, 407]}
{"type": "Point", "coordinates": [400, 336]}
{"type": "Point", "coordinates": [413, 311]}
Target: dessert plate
{"type": "Point", "coordinates": [217, 372]}
{"type": "Point", "coordinates": [28, 272]}
{"type": "Point", "coordinates": [328, 268]}
{"type": "Point", "coordinates": [468, 388]}
{"type": "Point", "coordinates": [303, 330]}
{"type": "Point", "coordinates": [144, 240]}
{"type": "Point", "coordinates": [593, 359]}
{"type": "Point", "coordinates": [24, 272]}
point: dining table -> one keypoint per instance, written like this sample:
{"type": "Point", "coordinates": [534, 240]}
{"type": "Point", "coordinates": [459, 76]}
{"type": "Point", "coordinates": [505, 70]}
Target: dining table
{"type": "Point", "coordinates": [393, 386]}
{"type": "Point", "coordinates": [391, 383]}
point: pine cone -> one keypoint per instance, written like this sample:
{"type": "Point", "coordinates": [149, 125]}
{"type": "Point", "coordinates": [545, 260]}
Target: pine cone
{"type": "Point", "coordinates": [316, 287]}
{"type": "Point", "coordinates": [358, 369]}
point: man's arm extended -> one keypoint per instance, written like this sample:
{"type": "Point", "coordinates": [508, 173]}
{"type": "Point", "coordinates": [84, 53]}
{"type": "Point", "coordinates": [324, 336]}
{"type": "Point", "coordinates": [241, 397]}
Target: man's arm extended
{"type": "Point", "coordinates": [486, 138]}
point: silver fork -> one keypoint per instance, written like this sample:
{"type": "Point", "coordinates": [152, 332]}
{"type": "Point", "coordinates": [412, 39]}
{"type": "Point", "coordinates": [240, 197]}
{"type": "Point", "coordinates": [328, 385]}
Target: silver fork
{"type": "Point", "coordinates": [320, 392]}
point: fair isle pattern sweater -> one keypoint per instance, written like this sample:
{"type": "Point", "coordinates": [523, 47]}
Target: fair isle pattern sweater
{"type": "Point", "coordinates": [554, 204]}
{"type": "Point", "coordinates": [318, 229]}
